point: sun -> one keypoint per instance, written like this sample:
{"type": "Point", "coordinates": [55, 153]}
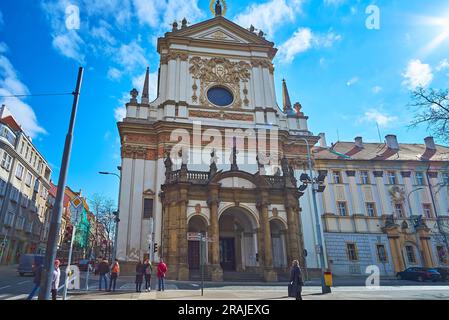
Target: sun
{"type": "Point", "coordinates": [441, 25]}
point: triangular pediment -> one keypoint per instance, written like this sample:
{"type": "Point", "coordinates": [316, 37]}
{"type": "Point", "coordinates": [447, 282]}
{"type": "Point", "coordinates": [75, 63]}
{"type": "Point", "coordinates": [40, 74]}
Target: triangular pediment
{"type": "Point", "coordinates": [221, 29]}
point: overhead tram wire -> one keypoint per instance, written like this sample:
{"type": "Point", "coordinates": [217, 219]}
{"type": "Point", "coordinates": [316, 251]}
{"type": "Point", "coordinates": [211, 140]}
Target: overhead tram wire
{"type": "Point", "coordinates": [36, 95]}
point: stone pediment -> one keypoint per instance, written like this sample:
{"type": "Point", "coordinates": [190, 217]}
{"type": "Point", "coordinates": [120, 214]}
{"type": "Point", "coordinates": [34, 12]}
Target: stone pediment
{"type": "Point", "coordinates": [221, 29]}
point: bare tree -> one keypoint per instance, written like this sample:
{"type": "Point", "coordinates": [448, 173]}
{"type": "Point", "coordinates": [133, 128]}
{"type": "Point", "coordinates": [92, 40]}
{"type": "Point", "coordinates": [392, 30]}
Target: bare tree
{"type": "Point", "coordinates": [432, 108]}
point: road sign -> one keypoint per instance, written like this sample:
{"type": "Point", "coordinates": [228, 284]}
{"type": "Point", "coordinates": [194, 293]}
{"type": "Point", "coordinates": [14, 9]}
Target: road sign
{"type": "Point", "coordinates": [76, 210]}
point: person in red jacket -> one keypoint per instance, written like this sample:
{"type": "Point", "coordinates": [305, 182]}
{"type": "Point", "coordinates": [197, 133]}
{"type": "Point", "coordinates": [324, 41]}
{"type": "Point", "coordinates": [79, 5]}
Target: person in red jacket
{"type": "Point", "coordinates": [161, 271]}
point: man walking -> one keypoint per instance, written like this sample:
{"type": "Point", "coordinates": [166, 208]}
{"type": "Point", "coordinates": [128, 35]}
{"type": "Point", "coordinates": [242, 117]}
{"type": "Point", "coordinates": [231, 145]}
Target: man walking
{"type": "Point", "coordinates": [37, 280]}
{"type": "Point", "coordinates": [103, 270]}
{"type": "Point", "coordinates": [56, 276]}
{"type": "Point", "coordinates": [161, 271]}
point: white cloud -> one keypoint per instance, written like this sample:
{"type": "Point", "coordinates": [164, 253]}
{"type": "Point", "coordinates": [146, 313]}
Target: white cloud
{"type": "Point", "coordinates": [69, 45]}
{"type": "Point", "coordinates": [102, 33]}
{"type": "Point", "coordinates": [131, 56]}
{"type": "Point", "coordinates": [120, 113]}
{"type": "Point", "coordinates": [10, 84]}
{"type": "Point", "coordinates": [148, 11]}
{"type": "Point", "coordinates": [444, 64]}
{"type": "Point", "coordinates": [114, 74]}
{"type": "Point", "coordinates": [139, 80]}
{"type": "Point", "coordinates": [302, 40]}
{"type": "Point", "coordinates": [417, 74]}
{"type": "Point", "coordinates": [376, 89]}
{"type": "Point", "coordinates": [382, 119]}
{"type": "Point", "coordinates": [352, 81]}
{"type": "Point", "coordinates": [269, 16]}
{"type": "Point", "coordinates": [120, 10]}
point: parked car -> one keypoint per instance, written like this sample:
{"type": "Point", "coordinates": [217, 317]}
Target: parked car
{"type": "Point", "coordinates": [27, 263]}
{"type": "Point", "coordinates": [83, 264]}
{"type": "Point", "coordinates": [419, 274]}
{"type": "Point", "coordinates": [444, 272]}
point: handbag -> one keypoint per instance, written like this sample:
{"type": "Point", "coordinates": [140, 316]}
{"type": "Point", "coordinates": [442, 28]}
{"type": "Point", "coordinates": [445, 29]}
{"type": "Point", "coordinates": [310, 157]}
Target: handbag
{"type": "Point", "coordinates": [290, 291]}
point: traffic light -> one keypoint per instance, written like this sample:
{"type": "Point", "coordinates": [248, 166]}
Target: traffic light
{"type": "Point", "coordinates": [68, 234]}
{"type": "Point", "coordinates": [155, 248]}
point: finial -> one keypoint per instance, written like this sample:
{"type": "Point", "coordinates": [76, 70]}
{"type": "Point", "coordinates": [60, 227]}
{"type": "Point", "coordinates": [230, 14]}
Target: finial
{"type": "Point", "coordinates": [134, 93]}
{"type": "Point", "coordinates": [218, 8]}
{"type": "Point", "coordinates": [184, 23]}
{"type": "Point", "coordinates": [146, 88]}
{"type": "Point", "coordinates": [252, 29]}
{"type": "Point", "coordinates": [175, 26]}
{"type": "Point", "coordinates": [286, 98]}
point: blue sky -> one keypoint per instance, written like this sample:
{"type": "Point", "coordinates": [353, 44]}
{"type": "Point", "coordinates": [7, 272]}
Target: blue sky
{"type": "Point", "coordinates": [345, 75]}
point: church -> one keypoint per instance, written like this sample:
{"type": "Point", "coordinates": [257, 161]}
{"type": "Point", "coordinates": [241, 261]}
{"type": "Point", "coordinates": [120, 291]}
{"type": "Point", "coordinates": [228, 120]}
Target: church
{"type": "Point", "coordinates": [213, 154]}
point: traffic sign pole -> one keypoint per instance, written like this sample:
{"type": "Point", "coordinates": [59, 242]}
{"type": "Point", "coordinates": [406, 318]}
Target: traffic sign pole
{"type": "Point", "coordinates": [64, 297]}
{"type": "Point", "coordinates": [202, 263]}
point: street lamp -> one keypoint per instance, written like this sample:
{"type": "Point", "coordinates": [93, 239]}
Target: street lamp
{"type": "Point", "coordinates": [317, 186]}
{"type": "Point", "coordinates": [117, 219]}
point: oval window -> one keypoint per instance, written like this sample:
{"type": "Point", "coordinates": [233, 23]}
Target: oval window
{"type": "Point", "coordinates": [220, 96]}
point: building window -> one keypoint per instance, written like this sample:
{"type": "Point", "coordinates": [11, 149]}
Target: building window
{"type": "Point", "coordinates": [392, 177]}
{"type": "Point", "coordinates": [9, 218]}
{"type": "Point", "coordinates": [446, 179]}
{"type": "Point", "coordinates": [19, 171]}
{"type": "Point", "coordinates": [381, 253]}
{"type": "Point", "coordinates": [21, 148]}
{"type": "Point", "coordinates": [336, 176]}
{"type": "Point", "coordinates": [427, 210]}
{"type": "Point", "coordinates": [6, 161]}
{"type": "Point", "coordinates": [410, 254]}
{"type": "Point", "coordinates": [20, 222]}
{"type": "Point", "coordinates": [419, 178]}
{"type": "Point", "coordinates": [342, 209]}
{"type": "Point", "coordinates": [28, 179]}
{"type": "Point", "coordinates": [371, 209]}
{"type": "Point", "coordinates": [148, 208]}
{"type": "Point", "coordinates": [26, 152]}
{"type": "Point", "coordinates": [399, 210]}
{"type": "Point", "coordinates": [2, 187]}
{"type": "Point", "coordinates": [352, 252]}
{"type": "Point", "coordinates": [441, 254]}
{"type": "Point", "coordinates": [364, 176]}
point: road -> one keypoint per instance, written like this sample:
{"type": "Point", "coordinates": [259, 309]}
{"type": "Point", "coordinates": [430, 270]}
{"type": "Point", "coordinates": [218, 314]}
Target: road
{"type": "Point", "coordinates": [15, 287]}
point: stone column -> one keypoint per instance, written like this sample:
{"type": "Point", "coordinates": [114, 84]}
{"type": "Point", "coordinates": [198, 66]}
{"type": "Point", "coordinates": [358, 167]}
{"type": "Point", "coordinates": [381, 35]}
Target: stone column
{"type": "Point", "coordinates": [381, 191]}
{"type": "Point", "coordinates": [424, 238]}
{"type": "Point", "coordinates": [171, 253]}
{"type": "Point", "coordinates": [216, 270]}
{"type": "Point", "coordinates": [183, 269]}
{"type": "Point", "coordinates": [269, 274]}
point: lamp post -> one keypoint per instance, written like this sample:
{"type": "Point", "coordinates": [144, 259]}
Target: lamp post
{"type": "Point", "coordinates": [411, 220]}
{"type": "Point", "coordinates": [315, 182]}
{"type": "Point", "coordinates": [117, 220]}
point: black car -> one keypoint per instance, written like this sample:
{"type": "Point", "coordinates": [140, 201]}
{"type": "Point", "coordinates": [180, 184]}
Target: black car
{"type": "Point", "coordinates": [444, 272]}
{"type": "Point", "coordinates": [419, 274]}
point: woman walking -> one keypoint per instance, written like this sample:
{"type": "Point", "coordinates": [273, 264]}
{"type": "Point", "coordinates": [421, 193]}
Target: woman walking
{"type": "Point", "coordinates": [114, 275]}
{"type": "Point", "coordinates": [296, 282]}
{"type": "Point", "coordinates": [148, 270]}
{"type": "Point", "coordinates": [139, 276]}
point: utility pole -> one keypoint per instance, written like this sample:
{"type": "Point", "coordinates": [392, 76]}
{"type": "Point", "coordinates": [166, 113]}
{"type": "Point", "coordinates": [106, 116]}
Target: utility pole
{"type": "Point", "coordinates": [56, 215]}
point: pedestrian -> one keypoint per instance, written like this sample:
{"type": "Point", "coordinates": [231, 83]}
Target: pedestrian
{"type": "Point", "coordinates": [114, 275]}
{"type": "Point", "coordinates": [37, 269]}
{"type": "Point", "coordinates": [103, 270]}
{"type": "Point", "coordinates": [161, 271]}
{"type": "Point", "coordinates": [148, 270]}
{"type": "Point", "coordinates": [296, 281]}
{"type": "Point", "coordinates": [56, 276]}
{"type": "Point", "coordinates": [139, 276]}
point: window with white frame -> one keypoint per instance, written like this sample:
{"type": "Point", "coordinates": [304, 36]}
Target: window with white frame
{"type": "Point", "coordinates": [392, 177]}
{"type": "Point", "coordinates": [352, 252]}
{"type": "Point", "coordinates": [19, 171]}
{"type": "Point", "coordinates": [410, 251]}
{"type": "Point", "coordinates": [419, 178]}
{"type": "Point", "coordinates": [399, 210]}
{"type": "Point", "coordinates": [2, 187]}
{"type": "Point", "coordinates": [371, 209]}
{"type": "Point", "coordinates": [28, 179]}
{"type": "Point", "coordinates": [6, 161]}
{"type": "Point", "coordinates": [342, 208]}
{"type": "Point", "coordinates": [9, 217]}
{"type": "Point", "coordinates": [381, 253]}
{"type": "Point", "coordinates": [336, 176]}
{"type": "Point", "coordinates": [20, 222]}
{"type": "Point", "coordinates": [427, 210]}
{"type": "Point", "coordinates": [364, 177]}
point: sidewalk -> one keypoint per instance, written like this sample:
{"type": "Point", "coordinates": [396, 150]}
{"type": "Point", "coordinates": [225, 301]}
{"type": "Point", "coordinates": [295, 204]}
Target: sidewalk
{"type": "Point", "coordinates": [277, 293]}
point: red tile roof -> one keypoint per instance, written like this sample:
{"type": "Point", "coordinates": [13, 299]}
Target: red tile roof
{"type": "Point", "coordinates": [11, 122]}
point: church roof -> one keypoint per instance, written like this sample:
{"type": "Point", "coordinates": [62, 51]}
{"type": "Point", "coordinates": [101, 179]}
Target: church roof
{"type": "Point", "coordinates": [231, 32]}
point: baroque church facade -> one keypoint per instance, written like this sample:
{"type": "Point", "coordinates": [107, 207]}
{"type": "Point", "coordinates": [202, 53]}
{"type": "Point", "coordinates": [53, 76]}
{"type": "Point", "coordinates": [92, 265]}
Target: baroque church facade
{"type": "Point", "coordinates": [213, 154]}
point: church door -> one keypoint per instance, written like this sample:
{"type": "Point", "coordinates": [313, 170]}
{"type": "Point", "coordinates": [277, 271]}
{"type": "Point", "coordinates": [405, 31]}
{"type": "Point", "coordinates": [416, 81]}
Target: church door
{"type": "Point", "coordinates": [227, 254]}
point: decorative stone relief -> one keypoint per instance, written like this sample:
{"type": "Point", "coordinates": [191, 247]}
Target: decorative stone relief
{"type": "Point", "coordinates": [220, 71]}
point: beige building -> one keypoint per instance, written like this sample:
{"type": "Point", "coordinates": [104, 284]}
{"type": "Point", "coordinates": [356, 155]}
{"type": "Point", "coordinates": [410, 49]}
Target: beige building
{"type": "Point", "coordinates": [24, 184]}
{"type": "Point", "coordinates": [385, 204]}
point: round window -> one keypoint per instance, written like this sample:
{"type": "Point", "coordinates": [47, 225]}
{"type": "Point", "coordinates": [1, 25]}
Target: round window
{"type": "Point", "coordinates": [220, 96]}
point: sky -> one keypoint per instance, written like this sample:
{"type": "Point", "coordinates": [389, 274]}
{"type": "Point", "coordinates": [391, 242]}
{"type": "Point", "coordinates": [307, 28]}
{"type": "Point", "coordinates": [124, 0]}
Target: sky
{"type": "Point", "coordinates": [351, 64]}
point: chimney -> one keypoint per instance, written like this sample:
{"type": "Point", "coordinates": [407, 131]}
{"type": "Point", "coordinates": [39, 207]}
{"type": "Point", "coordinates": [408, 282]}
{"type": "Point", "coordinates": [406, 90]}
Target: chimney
{"type": "Point", "coordinates": [430, 143]}
{"type": "Point", "coordinates": [358, 141]}
{"type": "Point", "coordinates": [392, 141]}
{"type": "Point", "coordinates": [322, 140]}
